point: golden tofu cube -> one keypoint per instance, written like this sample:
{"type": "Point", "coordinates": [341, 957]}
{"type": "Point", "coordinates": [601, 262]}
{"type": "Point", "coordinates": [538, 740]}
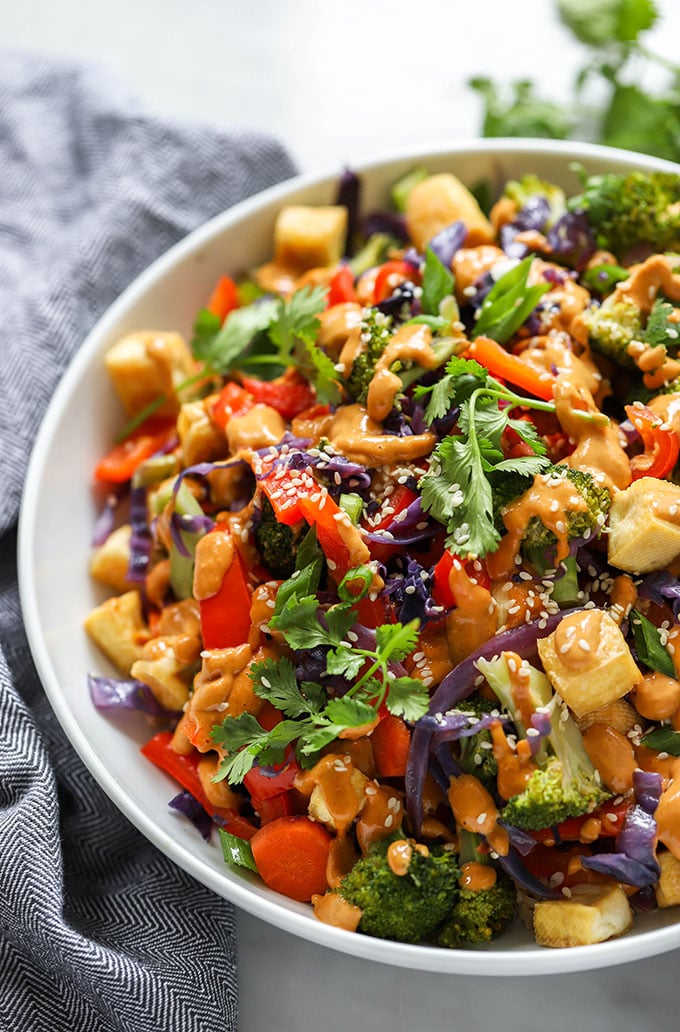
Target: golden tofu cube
{"type": "Point", "coordinates": [118, 628]}
{"type": "Point", "coordinates": [667, 889]}
{"type": "Point", "coordinates": [160, 668]}
{"type": "Point", "coordinates": [588, 679]}
{"type": "Point", "coordinates": [146, 365]}
{"type": "Point", "coordinates": [644, 526]}
{"type": "Point", "coordinates": [200, 439]}
{"type": "Point", "coordinates": [109, 562]}
{"type": "Point", "coordinates": [439, 200]}
{"type": "Point", "coordinates": [353, 798]}
{"type": "Point", "coordinates": [306, 237]}
{"type": "Point", "coordinates": [594, 913]}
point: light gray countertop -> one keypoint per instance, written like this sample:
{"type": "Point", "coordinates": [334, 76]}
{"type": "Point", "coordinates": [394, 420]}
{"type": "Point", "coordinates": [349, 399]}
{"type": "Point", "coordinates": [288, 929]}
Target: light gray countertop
{"type": "Point", "coordinates": [339, 84]}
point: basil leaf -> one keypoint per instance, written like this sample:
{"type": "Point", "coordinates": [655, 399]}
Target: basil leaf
{"type": "Point", "coordinates": [509, 303]}
{"type": "Point", "coordinates": [663, 739]}
{"type": "Point", "coordinates": [648, 645]}
{"type": "Point", "coordinates": [236, 851]}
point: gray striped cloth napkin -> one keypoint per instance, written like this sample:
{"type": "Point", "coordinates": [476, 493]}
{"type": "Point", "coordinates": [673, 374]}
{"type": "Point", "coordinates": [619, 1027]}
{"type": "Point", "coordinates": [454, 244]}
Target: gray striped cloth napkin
{"type": "Point", "coordinates": [98, 930]}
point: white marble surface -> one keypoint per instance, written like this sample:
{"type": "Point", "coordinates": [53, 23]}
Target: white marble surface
{"type": "Point", "coordinates": [341, 83]}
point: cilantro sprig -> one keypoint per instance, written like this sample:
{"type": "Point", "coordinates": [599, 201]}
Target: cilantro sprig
{"type": "Point", "coordinates": [628, 93]}
{"type": "Point", "coordinates": [456, 490]}
{"type": "Point", "coordinates": [312, 720]}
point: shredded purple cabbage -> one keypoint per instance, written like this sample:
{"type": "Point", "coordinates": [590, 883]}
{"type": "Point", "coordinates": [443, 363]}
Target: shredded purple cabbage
{"type": "Point", "coordinates": [402, 303]}
{"type": "Point", "coordinates": [140, 538]}
{"type": "Point", "coordinates": [349, 196]}
{"type": "Point", "coordinates": [571, 239]}
{"type": "Point", "coordinates": [190, 808]}
{"type": "Point", "coordinates": [532, 216]}
{"type": "Point", "coordinates": [664, 589]}
{"type": "Point", "coordinates": [113, 693]}
{"type": "Point", "coordinates": [388, 222]}
{"type": "Point", "coordinates": [634, 860]}
{"type": "Point", "coordinates": [105, 521]}
{"type": "Point", "coordinates": [448, 241]}
{"type": "Point", "coordinates": [512, 865]}
{"type": "Point", "coordinates": [455, 687]}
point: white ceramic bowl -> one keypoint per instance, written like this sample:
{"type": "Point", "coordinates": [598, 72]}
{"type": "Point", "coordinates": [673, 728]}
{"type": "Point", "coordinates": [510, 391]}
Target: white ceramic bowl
{"type": "Point", "coordinates": [58, 514]}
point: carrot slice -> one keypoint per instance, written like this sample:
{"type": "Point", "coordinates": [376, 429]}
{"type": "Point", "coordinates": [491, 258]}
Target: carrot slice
{"type": "Point", "coordinates": [291, 854]}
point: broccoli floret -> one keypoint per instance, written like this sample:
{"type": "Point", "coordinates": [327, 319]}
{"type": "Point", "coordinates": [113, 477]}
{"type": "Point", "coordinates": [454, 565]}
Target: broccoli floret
{"type": "Point", "coordinates": [479, 915]}
{"type": "Point", "coordinates": [612, 326]}
{"type": "Point", "coordinates": [476, 755]}
{"type": "Point", "coordinates": [531, 187]}
{"type": "Point", "coordinates": [631, 209]}
{"type": "Point", "coordinates": [376, 331]}
{"type": "Point", "coordinates": [565, 783]}
{"type": "Point", "coordinates": [404, 907]}
{"type": "Point", "coordinates": [505, 488]}
{"type": "Point", "coordinates": [538, 540]}
{"type": "Point", "coordinates": [276, 542]}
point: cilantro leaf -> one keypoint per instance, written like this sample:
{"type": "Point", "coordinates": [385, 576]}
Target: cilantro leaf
{"type": "Point", "coordinates": [463, 376]}
{"type": "Point", "coordinates": [661, 327]}
{"type": "Point", "coordinates": [457, 493]}
{"type": "Point", "coordinates": [509, 303]}
{"type": "Point", "coordinates": [221, 346]}
{"type": "Point", "coordinates": [347, 712]}
{"type": "Point", "coordinates": [408, 698]}
{"type": "Point", "coordinates": [396, 641]}
{"type": "Point", "coordinates": [297, 319]}
{"type": "Point", "coordinates": [275, 681]}
{"type": "Point", "coordinates": [344, 661]}
{"type": "Point", "coordinates": [438, 283]}
{"type": "Point", "coordinates": [522, 113]}
{"type": "Point", "coordinates": [597, 22]}
{"type": "Point", "coordinates": [242, 739]}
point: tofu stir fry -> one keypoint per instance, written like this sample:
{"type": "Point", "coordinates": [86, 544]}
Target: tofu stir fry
{"type": "Point", "coordinates": [394, 547]}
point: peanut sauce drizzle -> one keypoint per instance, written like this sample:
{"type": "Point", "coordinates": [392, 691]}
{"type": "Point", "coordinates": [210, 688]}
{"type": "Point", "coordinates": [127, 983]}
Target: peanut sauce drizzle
{"type": "Point", "coordinates": [549, 499]}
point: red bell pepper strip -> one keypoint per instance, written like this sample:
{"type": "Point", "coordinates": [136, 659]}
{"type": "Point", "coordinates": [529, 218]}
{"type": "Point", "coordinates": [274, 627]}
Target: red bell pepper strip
{"type": "Point", "coordinates": [184, 770]}
{"type": "Point", "coordinates": [391, 741]}
{"type": "Point", "coordinates": [225, 616]}
{"type": "Point", "coordinates": [285, 804]}
{"type": "Point", "coordinates": [295, 495]}
{"type": "Point", "coordinates": [224, 298]}
{"type": "Point", "coordinates": [389, 276]}
{"type": "Point", "coordinates": [503, 364]}
{"type": "Point", "coordinates": [341, 287]}
{"type": "Point", "coordinates": [610, 815]}
{"type": "Point", "coordinates": [124, 459]}
{"type": "Point", "coordinates": [660, 441]}
{"type": "Point", "coordinates": [264, 784]}
{"type": "Point", "coordinates": [320, 511]}
{"type": "Point", "coordinates": [289, 394]}
{"type": "Point", "coordinates": [233, 400]}
{"type": "Point", "coordinates": [441, 588]}
{"type": "Point", "coordinates": [399, 500]}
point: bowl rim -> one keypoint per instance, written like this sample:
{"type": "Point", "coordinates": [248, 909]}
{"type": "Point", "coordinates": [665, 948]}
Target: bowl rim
{"type": "Point", "coordinates": [529, 960]}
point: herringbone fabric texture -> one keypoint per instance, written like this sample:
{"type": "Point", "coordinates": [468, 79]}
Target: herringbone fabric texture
{"type": "Point", "coordinates": [98, 930]}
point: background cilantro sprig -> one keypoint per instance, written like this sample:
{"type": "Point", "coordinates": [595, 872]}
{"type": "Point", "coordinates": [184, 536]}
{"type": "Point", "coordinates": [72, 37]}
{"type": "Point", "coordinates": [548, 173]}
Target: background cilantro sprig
{"type": "Point", "coordinates": [617, 62]}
